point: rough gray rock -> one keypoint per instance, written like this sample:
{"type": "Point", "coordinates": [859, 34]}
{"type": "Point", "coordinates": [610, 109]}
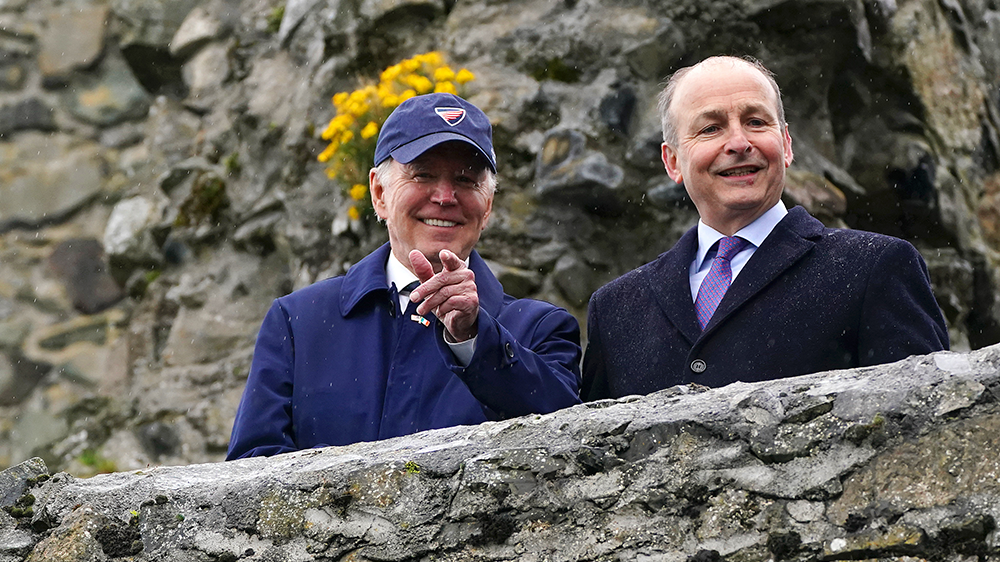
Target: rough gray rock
{"type": "Point", "coordinates": [27, 115]}
{"type": "Point", "coordinates": [210, 110]}
{"type": "Point", "coordinates": [150, 22]}
{"type": "Point", "coordinates": [894, 462]}
{"type": "Point", "coordinates": [47, 178]}
{"type": "Point", "coordinates": [129, 236]}
{"type": "Point", "coordinates": [83, 268]}
{"type": "Point", "coordinates": [199, 27]}
{"type": "Point", "coordinates": [568, 172]}
{"type": "Point", "coordinates": [73, 39]}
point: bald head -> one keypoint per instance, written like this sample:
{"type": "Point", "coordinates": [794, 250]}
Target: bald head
{"type": "Point", "coordinates": [668, 120]}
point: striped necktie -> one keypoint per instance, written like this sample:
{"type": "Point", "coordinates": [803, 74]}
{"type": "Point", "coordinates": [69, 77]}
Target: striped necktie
{"type": "Point", "coordinates": [714, 287]}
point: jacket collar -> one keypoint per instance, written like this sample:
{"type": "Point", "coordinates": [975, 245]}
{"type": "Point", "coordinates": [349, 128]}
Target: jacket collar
{"type": "Point", "coordinates": [368, 276]}
{"type": "Point", "coordinates": [790, 239]}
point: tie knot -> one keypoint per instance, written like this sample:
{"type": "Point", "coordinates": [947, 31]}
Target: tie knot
{"type": "Point", "coordinates": [730, 246]}
{"type": "Point", "coordinates": [409, 288]}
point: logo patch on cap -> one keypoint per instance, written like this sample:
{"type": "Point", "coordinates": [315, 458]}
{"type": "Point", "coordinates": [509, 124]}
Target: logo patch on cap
{"type": "Point", "coordinates": [451, 115]}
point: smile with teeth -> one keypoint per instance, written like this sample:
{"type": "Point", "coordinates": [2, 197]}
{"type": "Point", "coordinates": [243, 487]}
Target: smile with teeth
{"type": "Point", "coordinates": [743, 171]}
{"type": "Point", "coordinates": [438, 222]}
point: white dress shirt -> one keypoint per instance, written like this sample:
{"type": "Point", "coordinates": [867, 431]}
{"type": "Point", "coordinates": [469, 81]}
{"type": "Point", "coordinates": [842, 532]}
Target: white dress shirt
{"type": "Point", "coordinates": [397, 273]}
{"type": "Point", "coordinates": [755, 233]}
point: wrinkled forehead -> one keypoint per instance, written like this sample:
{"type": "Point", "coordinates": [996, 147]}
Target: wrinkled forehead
{"type": "Point", "coordinates": [719, 76]}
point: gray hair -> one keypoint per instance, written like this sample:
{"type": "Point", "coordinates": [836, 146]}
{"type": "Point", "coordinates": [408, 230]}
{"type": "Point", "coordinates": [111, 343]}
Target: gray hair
{"type": "Point", "coordinates": [382, 173]}
{"type": "Point", "coordinates": [666, 97]}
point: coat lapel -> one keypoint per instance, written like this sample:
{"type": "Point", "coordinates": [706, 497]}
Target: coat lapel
{"type": "Point", "coordinates": [669, 281]}
{"type": "Point", "coordinates": [489, 288]}
{"type": "Point", "coordinates": [792, 238]}
{"type": "Point", "coordinates": [364, 277]}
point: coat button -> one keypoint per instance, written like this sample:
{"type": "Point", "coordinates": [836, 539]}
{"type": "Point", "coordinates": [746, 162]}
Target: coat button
{"type": "Point", "coordinates": [698, 366]}
{"type": "Point", "coordinates": [509, 349]}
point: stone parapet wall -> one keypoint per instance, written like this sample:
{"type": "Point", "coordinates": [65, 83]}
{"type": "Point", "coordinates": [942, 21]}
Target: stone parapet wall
{"type": "Point", "coordinates": [895, 462]}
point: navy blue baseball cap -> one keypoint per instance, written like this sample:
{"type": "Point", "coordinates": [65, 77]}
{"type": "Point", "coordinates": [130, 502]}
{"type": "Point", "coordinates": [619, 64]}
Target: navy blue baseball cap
{"type": "Point", "coordinates": [423, 122]}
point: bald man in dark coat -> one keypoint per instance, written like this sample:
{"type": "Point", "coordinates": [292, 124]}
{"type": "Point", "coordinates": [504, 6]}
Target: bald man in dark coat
{"type": "Point", "coordinates": [797, 297]}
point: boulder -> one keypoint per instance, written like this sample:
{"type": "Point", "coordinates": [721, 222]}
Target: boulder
{"type": "Point", "coordinates": [882, 462]}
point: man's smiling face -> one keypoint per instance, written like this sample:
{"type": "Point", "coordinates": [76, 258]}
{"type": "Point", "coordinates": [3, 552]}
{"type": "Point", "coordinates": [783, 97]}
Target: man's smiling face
{"type": "Point", "coordinates": [440, 200]}
{"type": "Point", "coordinates": [732, 149]}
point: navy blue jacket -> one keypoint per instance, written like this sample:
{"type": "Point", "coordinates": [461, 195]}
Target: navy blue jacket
{"type": "Point", "coordinates": [810, 299]}
{"type": "Point", "coordinates": [337, 363]}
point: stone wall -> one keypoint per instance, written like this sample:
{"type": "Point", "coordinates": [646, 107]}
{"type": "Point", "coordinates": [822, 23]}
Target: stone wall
{"type": "Point", "coordinates": [897, 462]}
{"type": "Point", "coordinates": [159, 186]}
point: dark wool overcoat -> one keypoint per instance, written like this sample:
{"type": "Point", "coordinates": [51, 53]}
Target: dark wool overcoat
{"type": "Point", "coordinates": [338, 362]}
{"type": "Point", "coordinates": [810, 299]}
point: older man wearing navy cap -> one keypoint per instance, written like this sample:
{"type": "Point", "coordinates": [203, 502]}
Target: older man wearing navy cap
{"type": "Point", "coordinates": [367, 356]}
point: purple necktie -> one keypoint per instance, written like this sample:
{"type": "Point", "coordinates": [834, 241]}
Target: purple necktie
{"type": "Point", "coordinates": [713, 288]}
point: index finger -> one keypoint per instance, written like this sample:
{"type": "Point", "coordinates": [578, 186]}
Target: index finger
{"type": "Point", "coordinates": [450, 261]}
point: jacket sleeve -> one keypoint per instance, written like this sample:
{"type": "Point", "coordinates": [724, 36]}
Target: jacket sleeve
{"type": "Point", "coordinates": [529, 366]}
{"type": "Point", "coordinates": [900, 314]}
{"type": "Point", "coordinates": [263, 425]}
{"type": "Point", "coordinates": [595, 377]}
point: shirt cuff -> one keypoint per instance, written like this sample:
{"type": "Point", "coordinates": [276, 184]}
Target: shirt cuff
{"type": "Point", "coordinates": [463, 350]}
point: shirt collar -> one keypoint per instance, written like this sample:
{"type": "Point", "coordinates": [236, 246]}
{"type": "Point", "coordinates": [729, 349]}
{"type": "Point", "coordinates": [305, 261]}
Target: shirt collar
{"type": "Point", "coordinates": [369, 275]}
{"type": "Point", "coordinates": [755, 232]}
{"type": "Point", "coordinates": [396, 272]}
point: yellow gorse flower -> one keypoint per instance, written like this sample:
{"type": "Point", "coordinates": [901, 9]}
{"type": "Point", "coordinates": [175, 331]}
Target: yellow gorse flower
{"type": "Point", "coordinates": [432, 58]}
{"type": "Point", "coordinates": [444, 74]}
{"type": "Point", "coordinates": [359, 191]}
{"type": "Point", "coordinates": [445, 88]}
{"type": "Point", "coordinates": [370, 130]}
{"type": "Point", "coordinates": [352, 132]}
{"type": "Point", "coordinates": [420, 83]}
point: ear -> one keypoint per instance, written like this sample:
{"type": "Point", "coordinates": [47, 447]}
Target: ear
{"type": "Point", "coordinates": [489, 211]}
{"type": "Point", "coordinates": [378, 195]}
{"type": "Point", "coordinates": [788, 148]}
{"type": "Point", "coordinates": [669, 156]}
